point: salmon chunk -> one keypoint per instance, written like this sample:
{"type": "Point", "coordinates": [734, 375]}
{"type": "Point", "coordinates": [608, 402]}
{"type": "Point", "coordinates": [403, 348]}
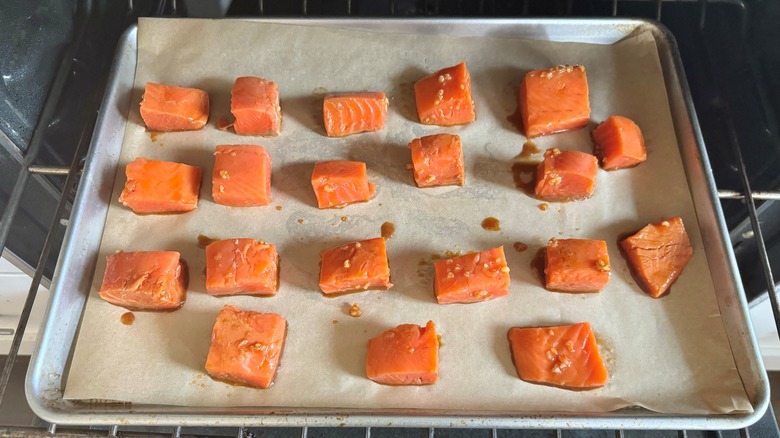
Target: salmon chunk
{"type": "Point", "coordinates": [351, 113]}
{"type": "Point", "coordinates": [566, 175]}
{"type": "Point", "coordinates": [437, 160]}
{"type": "Point", "coordinates": [145, 280]}
{"type": "Point", "coordinates": [576, 265]}
{"type": "Point", "coordinates": [242, 176]}
{"type": "Point", "coordinates": [444, 98]}
{"type": "Point", "coordinates": [554, 100]}
{"type": "Point", "coordinates": [566, 356]}
{"type": "Point", "coordinates": [171, 108]}
{"type": "Point", "coordinates": [404, 355]}
{"type": "Point", "coordinates": [469, 278]}
{"type": "Point", "coordinates": [160, 187]}
{"type": "Point", "coordinates": [619, 143]}
{"type": "Point", "coordinates": [338, 183]}
{"type": "Point", "coordinates": [355, 266]}
{"type": "Point", "coordinates": [241, 266]}
{"type": "Point", "coordinates": [254, 103]}
{"type": "Point", "coordinates": [657, 254]}
{"type": "Point", "coordinates": [246, 347]}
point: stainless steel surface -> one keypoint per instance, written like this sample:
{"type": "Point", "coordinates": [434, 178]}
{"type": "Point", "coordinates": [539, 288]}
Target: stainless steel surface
{"type": "Point", "coordinates": [759, 196]}
{"type": "Point", "coordinates": [76, 265]}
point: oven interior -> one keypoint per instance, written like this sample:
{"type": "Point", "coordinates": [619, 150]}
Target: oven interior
{"type": "Point", "coordinates": [55, 61]}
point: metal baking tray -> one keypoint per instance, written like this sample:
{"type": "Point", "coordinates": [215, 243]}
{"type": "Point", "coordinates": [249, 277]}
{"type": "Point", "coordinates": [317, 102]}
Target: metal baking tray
{"type": "Point", "coordinates": [75, 269]}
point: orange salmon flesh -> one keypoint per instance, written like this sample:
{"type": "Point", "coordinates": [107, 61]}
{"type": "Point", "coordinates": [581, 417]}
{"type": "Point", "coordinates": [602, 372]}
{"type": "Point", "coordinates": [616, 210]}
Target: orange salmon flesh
{"type": "Point", "coordinates": [554, 100]}
{"type": "Point", "coordinates": [576, 265]}
{"type": "Point", "coordinates": [444, 98]}
{"type": "Point", "coordinates": [438, 160]}
{"type": "Point", "coordinates": [241, 176]}
{"type": "Point", "coordinates": [145, 280]}
{"type": "Point", "coordinates": [355, 266]}
{"type": "Point", "coordinates": [470, 278]}
{"type": "Point", "coordinates": [254, 103]}
{"type": "Point", "coordinates": [566, 175]}
{"type": "Point", "coordinates": [405, 355]}
{"type": "Point", "coordinates": [618, 143]}
{"type": "Point", "coordinates": [171, 108]}
{"type": "Point", "coordinates": [160, 187]}
{"type": "Point", "coordinates": [352, 113]}
{"type": "Point", "coordinates": [241, 266]}
{"type": "Point", "coordinates": [338, 183]}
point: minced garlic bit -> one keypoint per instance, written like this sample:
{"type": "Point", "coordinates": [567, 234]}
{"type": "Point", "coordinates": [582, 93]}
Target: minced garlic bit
{"type": "Point", "coordinates": [466, 274]}
{"type": "Point", "coordinates": [505, 269]}
{"type": "Point", "coordinates": [224, 174]}
{"type": "Point", "coordinates": [665, 223]}
{"type": "Point", "coordinates": [553, 242]}
{"type": "Point", "coordinates": [570, 345]}
{"type": "Point", "coordinates": [346, 263]}
{"type": "Point", "coordinates": [497, 260]}
{"type": "Point", "coordinates": [430, 178]}
{"type": "Point", "coordinates": [450, 274]}
{"type": "Point", "coordinates": [462, 87]}
{"type": "Point", "coordinates": [441, 78]}
{"type": "Point", "coordinates": [355, 311]}
{"type": "Point", "coordinates": [233, 154]}
{"type": "Point", "coordinates": [357, 244]}
{"type": "Point", "coordinates": [485, 265]}
{"type": "Point", "coordinates": [221, 188]}
{"type": "Point", "coordinates": [328, 188]}
{"type": "Point", "coordinates": [480, 294]}
{"type": "Point", "coordinates": [554, 178]}
{"type": "Point", "coordinates": [447, 76]}
{"type": "Point", "coordinates": [555, 151]}
{"type": "Point", "coordinates": [601, 265]}
{"type": "Point", "coordinates": [551, 354]}
{"type": "Point", "coordinates": [551, 332]}
{"type": "Point", "coordinates": [448, 261]}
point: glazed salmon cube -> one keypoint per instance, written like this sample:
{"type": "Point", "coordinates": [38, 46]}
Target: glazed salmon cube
{"type": "Point", "coordinates": [444, 98]}
{"type": "Point", "coordinates": [619, 143]}
{"type": "Point", "coordinates": [576, 265]}
{"type": "Point", "coordinates": [404, 355]}
{"type": "Point", "coordinates": [241, 266]}
{"type": "Point", "coordinates": [470, 278]}
{"type": "Point", "coordinates": [338, 183]}
{"type": "Point", "coordinates": [171, 108]}
{"type": "Point", "coordinates": [657, 254]}
{"type": "Point", "coordinates": [254, 103]}
{"type": "Point", "coordinates": [565, 356]}
{"type": "Point", "coordinates": [160, 187]}
{"type": "Point", "coordinates": [437, 160]}
{"type": "Point", "coordinates": [242, 176]}
{"type": "Point", "coordinates": [145, 280]}
{"type": "Point", "coordinates": [566, 175]}
{"type": "Point", "coordinates": [351, 113]}
{"type": "Point", "coordinates": [246, 347]}
{"type": "Point", "coordinates": [554, 100]}
{"type": "Point", "coordinates": [355, 266]}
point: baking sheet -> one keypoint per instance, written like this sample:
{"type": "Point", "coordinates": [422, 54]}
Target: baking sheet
{"type": "Point", "coordinates": [668, 355]}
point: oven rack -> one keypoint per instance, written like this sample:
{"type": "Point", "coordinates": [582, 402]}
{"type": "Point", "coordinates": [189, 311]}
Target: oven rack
{"type": "Point", "coordinates": [395, 8]}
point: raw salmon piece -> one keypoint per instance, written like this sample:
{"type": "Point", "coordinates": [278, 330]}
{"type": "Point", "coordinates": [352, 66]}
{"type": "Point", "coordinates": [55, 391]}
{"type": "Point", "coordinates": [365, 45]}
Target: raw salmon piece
{"type": "Point", "coordinates": [171, 108]}
{"type": "Point", "coordinates": [566, 356]}
{"type": "Point", "coordinates": [145, 280]}
{"type": "Point", "coordinates": [576, 265]}
{"type": "Point", "coordinates": [404, 355]}
{"type": "Point", "coordinates": [338, 183]}
{"type": "Point", "coordinates": [658, 253]}
{"type": "Point", "coordinates": [242, 176]}
{"type": "Point", "coordinates": [566, 175]}
{"type": "Point", "coordinates": [241, 267]}
{"type": "Point", "coordinates": [351, 113]}
{"type": "Point", "coordinates": [554, 100]}
{"type": "Point", "coordinates": [437, 160]}
{"type": "Point", "coordinates": [246, 347]}
{"type": "Point", "coordinates": [254, 103]}
{"type": "Point", "coordinates": [469, 278]}
{"type": "Point", "coordinates": [619, 143]}
{"type": "Point", "coordinates": [160, 187]}
{"type": "Point", "coordinates": [444, 98]}
{"type": "Point", "coordinates": [355, 266]}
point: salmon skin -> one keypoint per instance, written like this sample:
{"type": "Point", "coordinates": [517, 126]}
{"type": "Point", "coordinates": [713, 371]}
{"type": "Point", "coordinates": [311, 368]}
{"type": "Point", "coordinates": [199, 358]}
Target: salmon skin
{"type": "Point", "coordinates": [254, 103]}
{"type": "Point", "coordinates": [171, 108]}
{"type": "Point", "coordinates": [338, 183]}
{"type": "Point", "coordinates": [246, 347]}
{"type": "Point", "coordinates": [658, 253]}
{"type": "Point", "coordinates": [160, 187]}
{"type": "Point", "coordinates": [576, 265]}
{"type": "Point", "coordinates": [352, 113]}
{"type": "Point", "coordinates": [355, 267]}
{"type": "Point", "coordinates": [145, 280]}
{"type": "Point", "coordinates": [565, 356]}
{"type": "Point", "coordinates": [618, 143]}
{"type": "Point", "coordinates": [241, 266]}
{"type": "Point", "coordinates": [471, 278]}
{"type": "Point", "coordinates": [444, 98]}
{"type": "Point", "coordinates": [566, 175]}
{"type": "Point", "coordinates": [241, 176]}
{"type": "Point", "coordinates": [404, 355]}
{"type": "Point", "coordinates": [554, 100]}
{"type": "Point", "coordinates": [437, 160]}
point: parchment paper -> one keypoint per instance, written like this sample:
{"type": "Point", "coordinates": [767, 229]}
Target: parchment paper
{"type": "Point", "coordinates": [669, 355]}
